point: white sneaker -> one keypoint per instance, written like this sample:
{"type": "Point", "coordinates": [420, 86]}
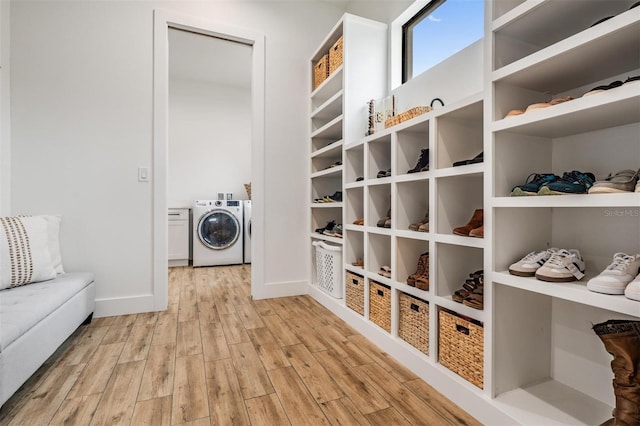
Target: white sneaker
{"type": "Point", "coordinates": [562, 267]}
{"type": "Point", "coordinates": [618, 274]}
{"type": "Point", "coordinates": [528, 265]}
{"type": "Point", "coordinates": [633, 289]}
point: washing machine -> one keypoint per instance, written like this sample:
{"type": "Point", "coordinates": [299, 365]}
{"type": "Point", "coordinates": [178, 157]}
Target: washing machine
{"type": "Point", "coordinates": [217, 232]}
{"type": "Point", "coordinates": [247, 230]}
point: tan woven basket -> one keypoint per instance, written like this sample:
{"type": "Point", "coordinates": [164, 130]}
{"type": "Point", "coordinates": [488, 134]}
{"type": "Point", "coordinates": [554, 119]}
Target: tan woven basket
{"type": "Point", "coordinates": [320, 71]}
{"type": "Point", "coordinates": [407, 115]}
{"type": "Point", "coordinates": [335, 56]}
{"type": "Point", "coordinates": [380, 305]}
{"type": "Point", "coordinates": [413, 325]}
{"type": "Point", "coordinates": [355, 292]}
{"type": "Point", "coordinates": [247, 187]}
{"type": "Point", "coordinates": [461, 347]}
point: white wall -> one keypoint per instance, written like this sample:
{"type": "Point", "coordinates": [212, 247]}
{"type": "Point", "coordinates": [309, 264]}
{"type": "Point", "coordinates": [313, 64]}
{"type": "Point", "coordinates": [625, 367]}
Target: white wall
{"type": "Point", "coordinates": [82, 125]}
{"type": "Point", "coordinates": [5, 110]}
{"type": "Point", "coordinates": [209, 141]}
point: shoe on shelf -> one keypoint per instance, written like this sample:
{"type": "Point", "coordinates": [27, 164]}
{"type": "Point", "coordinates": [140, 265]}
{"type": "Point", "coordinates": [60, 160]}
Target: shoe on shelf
{"type": "Point", "coordinates": [477, 232]}
{"type": "Point", "coordinates": [385, 271]}
{"type": "Point", "coordinates": [615, 278]}
{"type": "Point", "coordinates": [359, 262]}
{"type": "Point", "coordinates": [604, 87]}
{"type": "Point", "coordinates": [633, 289]}
{"type": "Point", "coordinates": [562, 267]}
{"type": "Point", "coordinates": [574, 182]}
{"type": "Point", "coordinates": [622, 181]}
{"type": "Point", "coordinates": [423, 221]}
{"type": "Point", "coordinates": [533, 183]}
{"type": "Point", "coordinates": [477, 159]}
{"type": "Point", "coordinates": [476, 221]}
{"type": "Point", "coordinates": [328, 227]}
{"type": "Point", "coordinates": [335, 198]}
{"type": "Point", "coordinates": [331, 231]}
{"type": "Point", "coordinates": [359, 221]}
{"type": "Point", "coordinates": [382, 223]}
{"type": "Point", "coordinates": [528, 265]}
{"type": "Point", "coordinates": [384, 173]}
{"type": "Point", "coordinates": [337, 231]}
{"type": "Point", "coordinates": [422, 269]}
{"type": "Point", "coordinates": [359, 178]}
{"type": "Point", "coordinates": [423, 162]}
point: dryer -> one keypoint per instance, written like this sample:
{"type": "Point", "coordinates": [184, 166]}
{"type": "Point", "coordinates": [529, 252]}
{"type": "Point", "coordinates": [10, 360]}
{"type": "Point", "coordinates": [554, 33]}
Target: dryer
{"type": "Point", "coordinates": [217, 232]}
{"type": "Point", "coordinates": [247, 231]}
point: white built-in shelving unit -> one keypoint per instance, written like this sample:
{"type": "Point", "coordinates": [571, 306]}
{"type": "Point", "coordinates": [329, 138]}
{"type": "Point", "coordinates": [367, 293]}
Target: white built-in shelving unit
{"type": "Point", "coordinates": [543, 365]}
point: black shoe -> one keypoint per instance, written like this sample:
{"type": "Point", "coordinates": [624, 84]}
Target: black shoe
{"type": "Point", "coordinates": [477, 159]}
{"type": "Point", "coordinates": [384, 173]}
{"type": "Point", "coordinates": [337, 196]}
{"type": "Point", "coordinates": [329, 227]}
{"type": "Point", "coordinates": [423, 162]}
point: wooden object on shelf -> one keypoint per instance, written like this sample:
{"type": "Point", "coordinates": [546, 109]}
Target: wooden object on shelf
{"type": "Point", "coordinates": [407, 115]}
{"type": "Point", "coordinates": [247, 187]}
{"type": "Point", "coordinates": [355, 292]}
{"type": "Point", "coordinates": [380, 305]}
{"type": "Point", "coordinates": [320, 71]}
{"type": "Point", "coordinates": [335, 56]}
{"type": "Point", "coordinates": [461, 347]}
{"type": "Point", "coordinates": [413, 323]}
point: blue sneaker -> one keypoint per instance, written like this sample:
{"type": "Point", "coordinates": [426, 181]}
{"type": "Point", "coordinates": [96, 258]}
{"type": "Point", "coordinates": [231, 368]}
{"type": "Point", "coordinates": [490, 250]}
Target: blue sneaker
{"type": "Point", "coordinates": [533, 184]}
{"type": "Point", "coordinates": [574, 182]}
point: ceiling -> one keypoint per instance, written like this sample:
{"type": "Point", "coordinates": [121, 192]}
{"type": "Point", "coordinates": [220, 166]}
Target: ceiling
{"type": "Point", "coordinates": [208, 59]}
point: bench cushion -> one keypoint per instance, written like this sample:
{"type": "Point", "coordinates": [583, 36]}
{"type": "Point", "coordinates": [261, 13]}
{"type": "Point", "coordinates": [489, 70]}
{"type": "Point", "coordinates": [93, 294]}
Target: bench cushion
{"type": "Point", "coordinates": [21, 308]}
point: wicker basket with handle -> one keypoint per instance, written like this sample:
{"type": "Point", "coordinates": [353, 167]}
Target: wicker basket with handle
{"type": "Point", "coordinates": [335, 56]}
{"type": "Point", "coordinates": [461, 347]}
{"type": "Point", "coordinates": [355, 292]}
{"type": "Point", "coordinates": [380, 305]}
{"type": "Point", "coordinates": [320, 71]}
{"type": "Point", "coordinates": [413, 324]}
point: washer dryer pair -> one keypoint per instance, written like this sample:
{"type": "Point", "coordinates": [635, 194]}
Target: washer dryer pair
{"type": "Point", "coordinates": [217, 232]}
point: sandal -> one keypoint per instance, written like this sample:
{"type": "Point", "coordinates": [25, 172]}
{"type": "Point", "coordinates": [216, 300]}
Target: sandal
{"type": "Point", "coordinates": [359, 221]}
{"type": "Point", "coordinates": [416, 226]}
{"type": "Point", "coordinates": [474, 300]}
{"type": "Point", "coordinates": [385, 271]}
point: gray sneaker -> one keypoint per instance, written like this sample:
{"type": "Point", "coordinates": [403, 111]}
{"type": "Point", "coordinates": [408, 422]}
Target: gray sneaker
{"type": "Point", "coordinates": [622, 181]}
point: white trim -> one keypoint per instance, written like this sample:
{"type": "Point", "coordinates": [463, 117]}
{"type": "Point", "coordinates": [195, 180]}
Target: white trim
{"type": "Point", "coordinates": [395, 42]}
{"type": "Point", "coordinates": [282, 289]}
{"type": "Point", "coordinates": [163, 19]}
{"type": "Point", "coordinates": [5, 108]}
{"type": "Point", "coordinates": [124, 305]}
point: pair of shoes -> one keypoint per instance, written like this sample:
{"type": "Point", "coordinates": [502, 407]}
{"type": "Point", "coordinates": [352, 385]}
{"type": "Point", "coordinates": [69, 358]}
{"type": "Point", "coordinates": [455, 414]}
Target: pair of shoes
{"type": "Point", "coordinates": [329, 227]}
{"type": "Point", "coordinates": [359, 178]}
{"type": "Point", "coordinates": [423, 162]}
{"type": "Point", "coordinates": [573, 182]}
{"type": "Point", "coordinates": [420, 278]}
{"type": "Point", "coordinates": [385, 271]}
{"type": "Point", "coordinates": [599, 21]}
{"type": "Point", "coordinates": [538, 105]}
{"type": "Point", "coordinates": [336, 164]}
{"type": "Point", "coordinates": [359, 221]}
{"type": "Point", "coordinates": [474, 228]}
{"type": "Point", "coordinates": [384, 173]}
{"type": "Point", "coordinates": [472, 292]}
{"type": "Point", "coordinates": [618, 277]}
{"type": "Point", "coordinates": [335, 198]}
{"type": "Point", "coordinates": [612, 85]}
{"type": "Point", "coordinates": [359, 262]}
{"type": "Point", "coordinates": [422, 225]}
{"type": "Point", "coordinates": [551, 265]}
{"type": "Point", "coordinates": [385, 222]}
{"type": "Point", "coordinates": [622, 181]}
{"type": "Point", "coordinates": [477, 159]}
{"type": "Point", "coordinates": [333, 230]}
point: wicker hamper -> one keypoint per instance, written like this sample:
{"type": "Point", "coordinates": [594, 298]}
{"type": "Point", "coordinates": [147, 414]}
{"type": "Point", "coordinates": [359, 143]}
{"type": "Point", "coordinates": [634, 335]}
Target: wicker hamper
{"type": "Point", "coordinates": [380, 305]}
{"type": "Point", "coordinates": [355, 292]}
{"type": "Point", "coordinates": [461, 347]}
{"type": "Point", "coordinates": [320, 71]}
{"type": "Point", "coordinates": [335, 56]}
{"type": "Point", "coordinates": [413, 326]}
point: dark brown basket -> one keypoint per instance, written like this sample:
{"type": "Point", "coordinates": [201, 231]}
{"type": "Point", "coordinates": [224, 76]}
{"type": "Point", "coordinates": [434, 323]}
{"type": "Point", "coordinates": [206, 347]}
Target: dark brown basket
{"type": "Point", "coordinates": [380, 305]}
{"type": "Point", "coordinates": [320, 71]}
{"type": "Point", "coordinates": [413, 325]}
{"type": "Point", "coordinates": [461, 347]}
{"type": "Point", "coordinates": [355, 292]}
{"type": "Point", "coordinates": [335, 56]}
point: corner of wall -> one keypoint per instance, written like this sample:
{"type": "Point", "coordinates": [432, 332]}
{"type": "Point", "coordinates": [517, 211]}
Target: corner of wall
{"type": "Point", "coordinates": [5, 104]}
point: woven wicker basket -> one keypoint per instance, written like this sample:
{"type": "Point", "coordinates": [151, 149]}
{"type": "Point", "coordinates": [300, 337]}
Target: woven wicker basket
{"type": "Point", "coordinates": [413, 325]}
{"type": "Point", "coordinates": [461, 347]}
{"type": "Point", "coordinates": [247, 187]}
{"type": "Point", "coordinates": [355, 292]}
{"type": "Point", "coordinates": [407, 115]}
{"type": "Point", "coordinates": [335, 56]}
{"type": "Point", "coordinates": [380, 305]}
{"type": "Point", "coordinates": [320, 71]}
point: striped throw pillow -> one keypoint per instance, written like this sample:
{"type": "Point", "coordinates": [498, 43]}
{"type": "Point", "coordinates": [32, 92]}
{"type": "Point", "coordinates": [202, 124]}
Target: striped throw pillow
{"type": "Point", "coordinates": [24, 251]}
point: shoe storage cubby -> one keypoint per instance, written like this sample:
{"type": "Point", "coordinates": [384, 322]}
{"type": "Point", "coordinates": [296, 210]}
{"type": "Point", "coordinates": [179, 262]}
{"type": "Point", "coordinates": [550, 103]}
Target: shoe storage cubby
{"type": "Point", "coordinates": [379, 205]}
{"type": "Point", "coordinates": [457, 199]}
{"type": "Point", "coordinates": [319, 219]}
{"type": "Point", "coordinates": [354, 205]}
{"type": "Point", "coordinates": [412, 204]}
{"type": "Point", "coordinates": [327, 160]}
{"type": "Point", "coordinates": [354, 166]}
{"type": "Point", "coordinates": [410, 143]}
{"type": "Point", "coordinates": [326, 185]}
{"type": "Point", "coordinates": [459, 136]}
{"type": "Point", "coordinates": [379, 255]}
{"type": "Point", "coordinates": [354, 250]}
{"type": "Point", "coordinates": [379, 156]}
{"type": "Point", "coordinates": [453, 264]}
{"type": "Point", "coordinates": [407, 253]}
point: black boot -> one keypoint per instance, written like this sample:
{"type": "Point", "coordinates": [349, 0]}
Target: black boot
{"type": "Point", "coordinates": [423, 162]}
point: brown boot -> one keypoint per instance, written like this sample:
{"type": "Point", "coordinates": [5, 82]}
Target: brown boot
{"type": "Point", "coordinates": [423, 266]}
{"type": "Point", "coordinates": [622, 340]}
{"type": "Point", "coordinates": [475, 222]}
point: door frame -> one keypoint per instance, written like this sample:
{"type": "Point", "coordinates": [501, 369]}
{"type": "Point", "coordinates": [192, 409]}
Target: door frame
{"type": "Point", "coordinates": [162, 21]}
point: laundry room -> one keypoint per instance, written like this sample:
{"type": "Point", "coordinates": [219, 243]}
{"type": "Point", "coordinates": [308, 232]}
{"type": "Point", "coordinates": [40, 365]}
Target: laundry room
{"type": "Point", "coordinates": [209, 150]}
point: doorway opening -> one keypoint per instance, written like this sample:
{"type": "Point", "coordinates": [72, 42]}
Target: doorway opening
{"type": "Point", "coordinates": [213, 140]}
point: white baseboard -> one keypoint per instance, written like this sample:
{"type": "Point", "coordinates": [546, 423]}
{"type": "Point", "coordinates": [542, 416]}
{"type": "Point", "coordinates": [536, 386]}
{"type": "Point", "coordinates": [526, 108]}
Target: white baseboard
{"type": "Point", "coordinates": [282, 289]}
{"type": "Point", "coordinates": [124, 305]}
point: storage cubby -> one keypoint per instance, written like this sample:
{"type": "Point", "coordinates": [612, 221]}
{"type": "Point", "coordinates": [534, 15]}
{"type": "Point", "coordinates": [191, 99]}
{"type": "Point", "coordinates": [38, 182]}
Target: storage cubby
{"type": "Point", "coordinates": [379, 204]}
{"type": "Point", "coordinates": [408, 252]}
{"type": "Point", "coordinates": [453, 264]}
{"type": "Point", "coordinates": [325, 157]}
{"type": "Point", "coordinates": [412, 203]}
{"type": "Point", "coordinates": [354, 166]}
{"type": "Point", "coordinates": [459, 135]}
{"type": "Point", "coordinates": [320, 218]}
{"type": "Point", "coordinates": [354, 205]}
{"type": "Point", "coordinates": [379, 254]}
{"type": "Point", "coordinates": [379, 156]}
{"type": "Point", "coordinates": [354, 248]}
{"type": "Point", "coordinates": [410, 143]}
{"type": "Point", "coordinates": [325, 186]}
{"type": "Point", "coordinates": [328, 111]}
{"type": "Point", "coordinates": [457, 199]}
{"type": "Point", "coordinates": [501, 7]}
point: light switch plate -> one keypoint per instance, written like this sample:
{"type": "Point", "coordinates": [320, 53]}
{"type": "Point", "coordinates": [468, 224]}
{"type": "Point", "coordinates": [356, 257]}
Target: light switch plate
{"type": "Point", "coordinates": [143, 174]}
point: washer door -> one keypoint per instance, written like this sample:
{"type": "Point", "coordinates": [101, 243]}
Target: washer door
{"type": "Point", "coordinates": [218, 229]}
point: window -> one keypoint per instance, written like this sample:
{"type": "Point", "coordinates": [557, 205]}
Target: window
{"type": "Point", "coordinates": [437, 31]}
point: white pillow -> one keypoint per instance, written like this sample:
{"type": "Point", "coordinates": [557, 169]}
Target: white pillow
{"type": "Point", "coordinates": [24, 251]}
{"type": "Point", "coordinates": [54, 241]}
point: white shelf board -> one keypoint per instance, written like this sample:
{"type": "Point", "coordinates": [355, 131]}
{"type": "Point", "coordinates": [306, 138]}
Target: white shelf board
{"type": "Point", "coordinates": [473, 170]}
{"type": "Point", "coordinates": [333, 240]}
{"type": "Point", "coordinates": [574, 291]}
{"type": "Point", "coordinates": [459, 240]}
{"type": "Point", "coordinates": [405, 288]}
{"type": "Point", "coordinates": [352, 185]}
{"type": "Point", "coordinates": [450, 304]}
{"type": "Point", "coordinates": [355, 269]}
{"type": "Point", "coordinates": [414, 235]}
{"type": "Point", "coordinates": [331, 108]}
{"type": "Point", "coordinates": [378, 230]}
{"type": "Point", "coordinates": [607, 49]}
{"type": "Point", "coordinates": [380, 181]}
{"type": "Point", "coordinates": [552, 403]}
{"type": "Point", "coordinates": [352, 227]}
{"type": "Point", "coordinates": [516, 13]}
{"type": "Point", "coordinates": [329, 87]}
{"type": "Point", "coordinates": [627, 199]}
{"type": "Point", "coordinates": [326, 205]}
{"type": "Point", "coordinates": [331, 130]}
{"type": "Point", "coordinates": [336, 170]}
{"type": "Point", "coordinates": [332, 150]}
{"type": "Point", "coordinates": [414, 177]}
{"type": "Point", "coordinates": [614, 107]}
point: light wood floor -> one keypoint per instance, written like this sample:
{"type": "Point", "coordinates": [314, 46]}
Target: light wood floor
{"type": "Point", "coordinates": [216, 357]}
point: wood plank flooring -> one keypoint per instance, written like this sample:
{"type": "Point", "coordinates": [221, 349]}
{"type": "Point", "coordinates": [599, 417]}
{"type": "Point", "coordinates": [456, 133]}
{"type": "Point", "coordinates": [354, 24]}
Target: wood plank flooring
{"type": "Point", "coordinates": [215, 357]}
